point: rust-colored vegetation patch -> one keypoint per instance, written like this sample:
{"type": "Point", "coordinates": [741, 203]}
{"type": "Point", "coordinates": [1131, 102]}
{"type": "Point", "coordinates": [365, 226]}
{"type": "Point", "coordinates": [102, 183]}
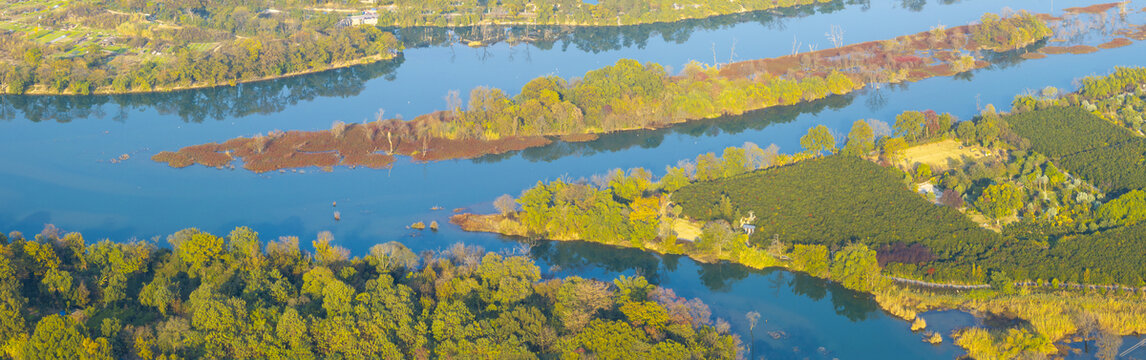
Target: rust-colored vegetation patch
{"type": "Point", "coordinates": [175, 160]}
{"type": "Point", "coordinates": [578, 137]}
{"type": "Point", "coordinates": [1076, 49]}
{"type": "Point", "coordinates": [474, 222]}
{"type": "Point", "coordinates": [372, 145]}
{"type": "Point", "coordinates": [1136, 32]}
{"type": "Point", "coordinates": [434, 149]}
{"type": "Point", "coordinates": [1033, 56]}
{"type": "Point", "coordinates": [1093, 9]}
{"type": "Point", "coordinates": [905, 58]}
{"type": "Point", "coordinates": [939, 52]}
{"type": "Point", "coordinates": [211, 155]}
{"type": "Point", "coordinates": [1116, 43]}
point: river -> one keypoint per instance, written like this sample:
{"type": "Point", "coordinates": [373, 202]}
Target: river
{"type": "Point", "coordinates": [57, 165]}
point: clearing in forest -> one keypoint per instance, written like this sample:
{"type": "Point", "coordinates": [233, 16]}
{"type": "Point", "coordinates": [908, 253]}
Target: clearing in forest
{"type": "Point", "coordinates": [937, 154]}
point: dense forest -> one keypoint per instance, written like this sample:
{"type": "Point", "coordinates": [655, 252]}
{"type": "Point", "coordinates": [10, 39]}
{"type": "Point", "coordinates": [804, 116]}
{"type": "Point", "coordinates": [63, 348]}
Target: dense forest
{"type": "Point", "coordinates": [837, 200]}
{"type": "Point", "coordinates": [1105, 154]}
{"type": "Point", "coordinates": [237, 297]}
{"type": "Point", "coordinates": [1062, 131]}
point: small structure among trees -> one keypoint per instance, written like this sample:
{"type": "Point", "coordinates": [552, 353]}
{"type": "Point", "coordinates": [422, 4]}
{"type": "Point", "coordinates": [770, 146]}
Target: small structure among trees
{"type": "Point", "coordinates": [368, 17]}
{"type": "Point", "coordinates": [746, 223]}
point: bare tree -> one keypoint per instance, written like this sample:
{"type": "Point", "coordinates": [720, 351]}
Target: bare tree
{"type": "Point", "coordinates": [714, 63]}
{"type": "Point", "coordinates": [453, 101]}
{"type": "Point", "coordinates": [732, 52]}
{"type": "Point", "coordinates": [752, 317]}
{"type": "Point", "coordinates": [836, 35]}
{"type": "Point", "coordinates": [505, 204]}
{"type": "Point", "coordinates": [339, 129]}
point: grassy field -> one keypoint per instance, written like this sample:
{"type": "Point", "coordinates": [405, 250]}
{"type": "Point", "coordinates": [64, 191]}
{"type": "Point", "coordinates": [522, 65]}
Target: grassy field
{"type": "Point", "coordinates": [687, 230]}
{"type": "Point", "coordinates": [937, 154]}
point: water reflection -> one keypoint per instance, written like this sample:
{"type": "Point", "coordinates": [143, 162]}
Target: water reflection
{"type": "Point", "coordinates": [267, 97]}
{"type": "Point", "coordinates": [577, 257]}
{"type": "Point", "coordinates": [596, 39]}
{"type": "Point", "coordinates": [217, 103]}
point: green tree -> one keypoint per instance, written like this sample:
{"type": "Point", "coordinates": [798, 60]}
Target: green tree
{"type": "Point", "coordinates": [965, 131]}
{"type": "Point", "coordinates": [535, 212]}
{"type": "Point", "coordinates": [506, 280]}
{"type": "Point", "coordinates": [735, 161]}
{"type": "Point", "coordinates": [708, 167]}
{"type": "Point", "coordinates": [196, 249]}
{"type": "Point", "coordinates": [11, 302]}
{"type": "Point", "coordinates": [674, 179]}
{"type": "Point", "coordinates": [893, 148]}
{"type": "Point", "coordinates": [818, 140]}
{"type": "Point", "coordinates": [635, 288]}
{"type": "Point", "coordinates": [999, 201]}
{"type": "Point", "coordinates": [855, 267]}
{"type": "Point", "coordinates": [55, 338]}
{"type": "Point", "coordinates": [861, 139]}
{"type": "Point", "coordinates": [812, 259]}
{"type": "Point", "coordinates": [909, 124]}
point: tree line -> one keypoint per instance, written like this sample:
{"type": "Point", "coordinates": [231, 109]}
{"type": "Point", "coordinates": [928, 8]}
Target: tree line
{"type": "Point", "coordinates": [567, 12]}
{"type": "Point", "coordinates": [40, 70]}
{"type": "Point", "coordinates": [235, 296]}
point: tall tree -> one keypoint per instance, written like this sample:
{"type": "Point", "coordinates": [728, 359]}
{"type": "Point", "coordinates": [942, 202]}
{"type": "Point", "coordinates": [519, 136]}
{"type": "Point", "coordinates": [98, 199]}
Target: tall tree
{"type": "Point", "coordinates": [999, 201]}
{"type": "Point", "coordinates": [818, 140]}
{"type": "Point", "coordinates": [861, 140]}
{"type": "Point", "coordinates": [909, 124]}
{"type": "Point", "coordinates": [856, 267]}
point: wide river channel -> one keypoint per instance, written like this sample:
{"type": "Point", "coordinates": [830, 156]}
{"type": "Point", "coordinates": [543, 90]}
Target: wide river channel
{"type": "Point", "coordinates": [56, 156]}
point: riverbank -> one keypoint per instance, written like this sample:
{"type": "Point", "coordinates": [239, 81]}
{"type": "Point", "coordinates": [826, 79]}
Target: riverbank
{"type": "Point", "coordinates": [606, 13]}
{"type": "Point", "coordinates": [109, 89]}
{"type": "Point", "coordinates": [630, 96]}
{"type": "Point", "coordinates": [1056, 315]}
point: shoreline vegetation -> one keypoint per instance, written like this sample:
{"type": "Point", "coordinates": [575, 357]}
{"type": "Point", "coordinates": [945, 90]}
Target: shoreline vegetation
{"type": "Point", "coordinates": [603, 13]}
{"type": "Point", "coordinates": [104, 47]}
{"type": "Point", "coordinates": [1007, 225]}
{"type": "Point", "coordinates": [237, 297]}
{"type": "Point", "coordinates": [624, 96]}
{"type": "Point", "coordinates": [156, 89]}
{"type": "Point", "coordinates": [85, 48]}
